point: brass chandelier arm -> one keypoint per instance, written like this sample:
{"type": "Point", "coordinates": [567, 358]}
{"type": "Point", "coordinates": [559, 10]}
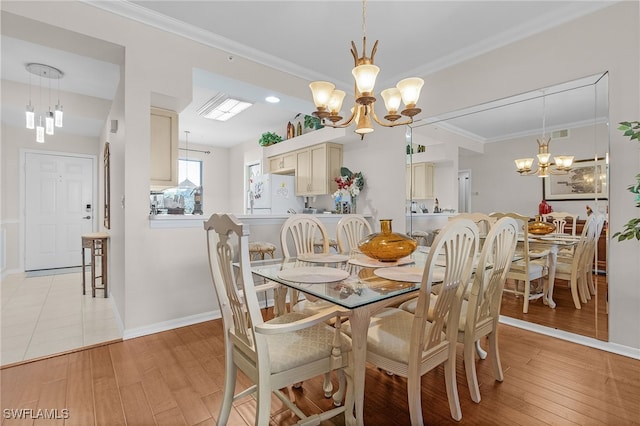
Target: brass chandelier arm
{"type": "Point", "coordinates": [390, 123]}
{"type": "Point", "coordinates": [340, 125]}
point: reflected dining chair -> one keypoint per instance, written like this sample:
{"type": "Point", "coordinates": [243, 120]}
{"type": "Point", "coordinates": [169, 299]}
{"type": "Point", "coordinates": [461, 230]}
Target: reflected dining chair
{"type": "Point", "coordinates": [533, 266]}
{"type": "Point", "coordinates": [273, 354]}
{"type": "Point", "coordinates": [410, 345]}
{"type": "Point", "coordinates": [350, 230]}
{"type": "Point", "coordinates": [577, 269]}
{"type": "Point", "coordinates": [479, 314]}
{"type": "Point", "coordinates": [559, 219]}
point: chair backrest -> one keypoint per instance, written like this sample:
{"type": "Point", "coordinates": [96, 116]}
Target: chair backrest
{"type": "Point", "coordinates": [482, 220]}
{"type": "Point", "coordinates": [523, 229]}
{"type": "Point", "coordinates": [458, 241]}
{"type": "Point", "coordinates": [585, 249]}
{"type": "Point", "coordinates": [562, 220]}
{"type": "Point", "coordinates": [303, 230]}
{"type": "Point", "coordinates": [350, 230]}
{"type": "Point", "coordinates": [235, 290]}
{"type": "Point", "coordinates": [494, 263]}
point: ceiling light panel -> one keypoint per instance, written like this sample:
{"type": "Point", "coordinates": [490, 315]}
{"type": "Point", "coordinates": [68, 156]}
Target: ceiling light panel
{"type": "Point", "coordinates": [221, 107]}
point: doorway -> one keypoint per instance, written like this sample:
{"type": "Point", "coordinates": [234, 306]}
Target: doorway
{"type": "Point", "coordinates": [464, 191]}
{"type": "Point", "coordinates": [60, 202]}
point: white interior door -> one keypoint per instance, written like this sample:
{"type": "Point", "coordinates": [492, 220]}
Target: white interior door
{"type": "Point", "coordinates": [464, 191]}
{"type": "Point", "coordinates": [59, 206]}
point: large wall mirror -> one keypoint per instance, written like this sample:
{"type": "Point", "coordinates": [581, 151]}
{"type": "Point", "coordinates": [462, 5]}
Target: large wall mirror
{"type": "Point", "coordinates": [472, 153]}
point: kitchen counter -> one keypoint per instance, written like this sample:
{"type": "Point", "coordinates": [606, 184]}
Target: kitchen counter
{"type": "Point", "coordinates": [196, 221]}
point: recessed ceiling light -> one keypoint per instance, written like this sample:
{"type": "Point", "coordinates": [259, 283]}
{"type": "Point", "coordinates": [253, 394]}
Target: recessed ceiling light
{"type": "Point", "coordinates": [272, 99]}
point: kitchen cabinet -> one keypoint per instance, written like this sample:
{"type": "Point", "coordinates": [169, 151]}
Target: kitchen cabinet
{"type": "Point", "coordinates": [316, 168]}
{"type": "Point", "coordinates": [164, 149]}
{"type": "Point", "coordinates": [421, 175]}
{"type": "Point", "coordinates": [283, 164]}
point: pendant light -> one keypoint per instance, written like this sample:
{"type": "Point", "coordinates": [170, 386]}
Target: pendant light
{"type": "Point", "coordinates": [186, 183]}
{"type": "Point", "coordinates": [51, 119]}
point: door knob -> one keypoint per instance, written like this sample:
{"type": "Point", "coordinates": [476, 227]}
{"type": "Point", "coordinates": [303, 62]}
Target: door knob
{"type": "Point", "coordinates": [86, 217]}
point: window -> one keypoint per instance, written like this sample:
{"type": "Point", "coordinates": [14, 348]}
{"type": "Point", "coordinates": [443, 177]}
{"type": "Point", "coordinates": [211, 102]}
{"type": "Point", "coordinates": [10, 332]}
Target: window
{"type": "Point", "coordinates": [189, 190]}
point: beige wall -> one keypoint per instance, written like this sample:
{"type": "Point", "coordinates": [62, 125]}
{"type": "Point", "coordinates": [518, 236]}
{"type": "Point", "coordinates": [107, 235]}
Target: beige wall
{"type": "Point", "coordinates": [164, 284]}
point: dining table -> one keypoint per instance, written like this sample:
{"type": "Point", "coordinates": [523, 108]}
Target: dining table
{"type": "Point", "coordinates": [552, 242]}
{"type": "Point", "coordinates": [358, 283]}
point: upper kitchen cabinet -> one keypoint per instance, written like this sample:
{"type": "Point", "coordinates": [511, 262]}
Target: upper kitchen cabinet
{"type": "Point", "coordinates": [283, 164]}
{"type": "Point", "coordinates": [164, 149]}
{"type": "Point", "coordinates": [419, 181]}
{"type": "Point", "coordinates": [316, 167]}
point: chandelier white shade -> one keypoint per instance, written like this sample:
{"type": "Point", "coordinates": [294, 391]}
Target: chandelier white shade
{"type": "Point", "coordinates": [52, 119]}
{"type": "Point", "coordinates": [328, 100]}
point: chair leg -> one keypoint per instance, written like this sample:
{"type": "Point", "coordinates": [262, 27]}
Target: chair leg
{"type": "Point", "coordinates": [415, 401]}
{"type": "Point", "coordinates": [230, 375]}
{"type": "Point", "coordinates": [495, 355]}
{"type": "Point", "coordinates": [263, 414]}
{"type": "Point", "coordinates": [327, 386]}
{"type": "Point", "coordinates": [574, 292]}
{"type": "Point", "coordinates": [470, 370]}
{"type": "Point", "coordinates": [339, 395]}
{"type": "Point", "coordinates": [482, 354]}
{"type": "Point", "coordinates": [527, 292]}
{"type": "Point", "coordinates": [452, 387]}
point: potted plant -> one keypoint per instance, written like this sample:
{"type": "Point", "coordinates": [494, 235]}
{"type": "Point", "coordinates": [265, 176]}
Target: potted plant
{"type": "Point", "coordinates": [311, 122]}
{"type": "Point", "coordinates": [631, 229]}
{"type": "Point", "coordinates": [269, 138]}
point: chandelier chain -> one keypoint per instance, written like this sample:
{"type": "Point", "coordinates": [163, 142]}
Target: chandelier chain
{"type": "Point", "coordinates": [364, 18]}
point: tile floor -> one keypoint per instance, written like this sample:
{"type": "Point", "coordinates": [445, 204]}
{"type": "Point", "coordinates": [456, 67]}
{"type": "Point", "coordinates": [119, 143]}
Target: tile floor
{"type": "Point", "coordinates": [45, 315]}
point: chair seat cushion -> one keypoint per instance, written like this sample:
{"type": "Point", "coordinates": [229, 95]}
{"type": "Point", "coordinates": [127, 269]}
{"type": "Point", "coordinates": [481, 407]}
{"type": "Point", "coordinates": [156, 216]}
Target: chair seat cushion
{"type": "Point", "coordinates": [389, 334]}
{"type": "Point", "coordinates": [536, 270]}
{"type": "Point", "coordinates": [261, 246]}
{"type": "Point", "coordinates": [294, 349]}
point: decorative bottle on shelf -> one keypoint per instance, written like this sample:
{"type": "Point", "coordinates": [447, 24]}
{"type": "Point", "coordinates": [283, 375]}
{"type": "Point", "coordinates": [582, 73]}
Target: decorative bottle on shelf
{"type": "Point", "coordinates": [436, 207]}
{"type": "Point", "coordinates": [386, 245]}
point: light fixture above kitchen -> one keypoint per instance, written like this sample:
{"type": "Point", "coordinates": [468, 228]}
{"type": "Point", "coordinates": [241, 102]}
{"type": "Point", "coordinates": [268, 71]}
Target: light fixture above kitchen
{"type": "Point", "coordinates": [562, 162]}
{"type": "Point", "coordinates": [328, 100]}
{"type": "Point", "coordinates": [222, 107]}
{"type": "Point", "coordinates": [52, 119]}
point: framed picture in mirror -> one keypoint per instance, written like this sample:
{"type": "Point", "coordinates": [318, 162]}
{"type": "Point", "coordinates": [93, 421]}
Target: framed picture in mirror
{"type": "Point", "coordinates": [587, 180]}
{"type": "Point", "coordinates": [107, 186]}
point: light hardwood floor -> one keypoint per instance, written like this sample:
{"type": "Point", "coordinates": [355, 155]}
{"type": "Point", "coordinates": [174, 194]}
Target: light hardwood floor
{"type": "Point", "coordinates": [176, 377]}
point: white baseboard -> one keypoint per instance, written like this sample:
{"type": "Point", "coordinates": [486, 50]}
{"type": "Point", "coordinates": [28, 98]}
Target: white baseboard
{"type": "Point", "coordinates": [170, 325]}
{"type": "Point", "coordinates": [575, 338]}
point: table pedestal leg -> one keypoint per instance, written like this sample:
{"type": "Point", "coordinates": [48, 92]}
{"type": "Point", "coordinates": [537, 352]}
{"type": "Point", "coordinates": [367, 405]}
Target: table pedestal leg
{"type": "Point", "coordinates": [547, 297]}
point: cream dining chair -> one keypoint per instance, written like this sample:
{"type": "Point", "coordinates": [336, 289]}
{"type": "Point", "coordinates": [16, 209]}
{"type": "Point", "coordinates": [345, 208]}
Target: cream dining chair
{"type": "Point", "coordinates": [480, 313]}
{"type": "Point", "coordinates": [350, 230]}
{"type": "Point", "coordinates": [559, 219]}
{"type": "Point", "coordinates": [273, 354]}
{"type": "Point", "coordinates": [304, 231]}
{"type": "Point", "coordinates": [533, 266]}
{"type": "Point", "coordinates": [412, 345]}
{"type": "Point", "coordinates": [482, 220]}
{"type": "Point", "coordinates": [577, 269]}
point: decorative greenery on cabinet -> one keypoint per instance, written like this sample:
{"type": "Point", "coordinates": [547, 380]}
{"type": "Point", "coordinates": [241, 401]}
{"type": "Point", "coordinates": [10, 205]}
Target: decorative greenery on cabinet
{"type": "Point", "coordinates": [269, 138]}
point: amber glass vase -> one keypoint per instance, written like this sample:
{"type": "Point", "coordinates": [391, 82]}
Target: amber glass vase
{"type": "Point", "coordinates": [387, 246]}
{"type": "Point", "coordinates": [540, 227]}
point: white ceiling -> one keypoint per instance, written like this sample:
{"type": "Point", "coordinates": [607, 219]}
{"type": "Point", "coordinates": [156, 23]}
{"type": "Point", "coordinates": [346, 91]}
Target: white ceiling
{"type": "Point", "coordinates": [416, 38]}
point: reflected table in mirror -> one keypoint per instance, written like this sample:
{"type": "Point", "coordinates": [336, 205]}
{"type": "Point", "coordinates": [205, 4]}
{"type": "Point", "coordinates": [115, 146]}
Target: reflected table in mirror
{"type": "Point", "coordinates": [553, 243]}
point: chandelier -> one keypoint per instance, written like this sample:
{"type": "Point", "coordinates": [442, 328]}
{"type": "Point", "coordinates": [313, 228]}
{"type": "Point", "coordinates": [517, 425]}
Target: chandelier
{"type": "Point", "coordinates": [562, 163]}
{"type": "Point", "coordinates": [51, 118]}
{"type": "Point", "coordinates": [328, 100]}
